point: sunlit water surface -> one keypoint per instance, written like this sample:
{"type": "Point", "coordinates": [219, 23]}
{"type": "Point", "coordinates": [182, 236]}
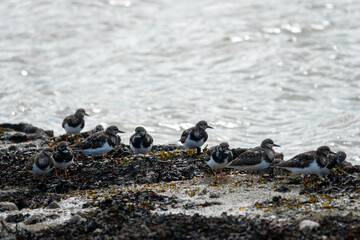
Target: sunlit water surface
{"type": "Point", "coordinates": [288, 70]}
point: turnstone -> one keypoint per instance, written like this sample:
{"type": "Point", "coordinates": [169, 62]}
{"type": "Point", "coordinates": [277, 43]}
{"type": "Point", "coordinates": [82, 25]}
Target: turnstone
{"type": "Point", "coordinates": [196, 136]}
{"type": "Point", "coordinates": [42, 163]}
{"type": "Point", "coordinates": [140, 141]}
{"type": "Point", "coordinates": [339, 161]}
{"type": "Point", "coordinates": [219, 157]}
{"type": "Point", "coordinates": [74, 123]}
{"type": "Point", "coordinates": [98, 128]}
{"type": "Point", "coordinates": [257, 158]}
{"type": "Point", "coordinates": [63, 156]}
{"type": "Point", "coordinates": [100, 142]}
{"type": "Point", "coordinates": [312, 162]}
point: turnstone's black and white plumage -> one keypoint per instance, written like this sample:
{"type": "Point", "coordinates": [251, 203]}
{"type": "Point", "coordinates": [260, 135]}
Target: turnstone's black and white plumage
{"type": "Point", "coordinates": [312, 162]}
{"type": "Point", "coordinates": [99, 143]}
{"type": "Point", "coordinates": [219, 157]}
{"type": "Point", "coordinates": [255, 159]}
{"type": "Point", "coordinates": [196, 136]}
{"type": "Point", "coordinates": [63, 156]}
{"type": "Point", "coordinates": [42, 163]}
{"type": "Point", "coordinates": [141, 142]}
{"type": "Point", "coordinates": [98, 128]}
{"type": "Point", "coordinates": [74, 123]}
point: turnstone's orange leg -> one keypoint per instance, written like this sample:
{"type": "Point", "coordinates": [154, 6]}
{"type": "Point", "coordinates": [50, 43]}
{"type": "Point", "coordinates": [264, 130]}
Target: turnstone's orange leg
{"type": "Point", "coordinates": [222, 176]}
{"type": "Point", "coordinates": [56, 172]}
{"type": "Point", "coordinates": [66, 173]}
{"type": "Point", "coordinates": [66, 137]}
{"type": "Point", "coordinates": [215, 174]}
{"type": "Point", "coordinates": [92, 157]}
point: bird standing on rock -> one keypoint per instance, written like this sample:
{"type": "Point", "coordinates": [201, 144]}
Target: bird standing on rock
{"type": "Point", "coordinates": [196, 136]}
{"type": "Point", "coordinates": [141, 142]}
{"type": "Point", "coordinates": [73, 124]}
{"type": "Point", "coordinates": [63, 156]}
{"type": "Point", "coordinates": [99, 143]}
{"type": "Point", "coordinates": [255, 159]}
{"type": "Point", "coordinates": [42, 163]}
{"type": "Point", "coordinates": [219, 157]}
{"type": "Point", "coordinates": [311, 162]}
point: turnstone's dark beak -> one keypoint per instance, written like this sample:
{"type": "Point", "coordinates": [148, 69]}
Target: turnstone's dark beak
{"type": "Point", "coordinates": [331, 152]}
{"type": "Point", "coordinates": [86, 114]}
{"type": "Point", "coordinates": [275, 145]}
{"type": "Point", "coordinates": [209, 127]}
{"type": "Point", "coordinates": [120, 131]}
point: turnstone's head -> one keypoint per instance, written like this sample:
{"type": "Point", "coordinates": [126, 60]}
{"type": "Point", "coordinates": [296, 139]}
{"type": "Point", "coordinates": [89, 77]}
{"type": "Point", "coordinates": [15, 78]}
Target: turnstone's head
{"type": "Point", "coordinates": [99, 128]}
{"type": "Point", "coordinates": [324, 151]}
{"type": "Point", "coordinates": [113, 130]}
{"type": "Point", "coordinates": [268, 143]}
{"type": "Point", "coordinates": [62, 146]}
{"type": "Point", "coordinates": [340, 157]}
{"type": "Point", "coordinates": [223, 147]}
{"type": "Point", "coordinates": [81, 112]}
{"type": "Point", "coordinates": [202, 125]}
{"type": "Point", "coordinates": [140, 132]}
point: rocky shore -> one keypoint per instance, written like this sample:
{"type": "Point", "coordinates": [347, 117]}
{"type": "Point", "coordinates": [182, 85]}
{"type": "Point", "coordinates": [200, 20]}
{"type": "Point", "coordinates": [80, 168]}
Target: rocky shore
{"type": "Point", "coordinates": [166, 194]}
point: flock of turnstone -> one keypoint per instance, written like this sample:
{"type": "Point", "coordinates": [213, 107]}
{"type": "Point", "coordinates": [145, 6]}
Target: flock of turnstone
{"type": "Point", "coordinates": [100, 141]}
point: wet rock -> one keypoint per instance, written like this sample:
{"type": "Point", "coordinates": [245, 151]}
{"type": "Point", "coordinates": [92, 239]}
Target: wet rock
{"type": "Point", "coordinates": [283, 189]}
{"type": "Point", "coordinates": [7, 206]}
{"type": "Point", "coordinates": [16, 218]}
{"type": "Point", "coordinates": [53, 205]}
{"type": "Point", "coordinates": [76, 219]}
{"type": "Point", "coordinates": [97, 231]}
{"type": "Point", "coordinates": [308, 225]}
{"type": "Point", "coordinates": [36, 218]}
{"type": "Point", "coordinates": [53, 216]}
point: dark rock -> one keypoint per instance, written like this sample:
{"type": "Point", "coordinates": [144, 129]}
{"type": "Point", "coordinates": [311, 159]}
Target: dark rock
{"type": "Point", "coordinates": [16, 218]}
{"type": "Point", "coordinates": [283, 189]}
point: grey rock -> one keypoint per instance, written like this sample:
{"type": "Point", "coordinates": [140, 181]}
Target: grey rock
{"type": "Point", "coordinates": [53, 205]}
{"type": "Point", "coordinates": [8, 206]}
{"type": "Point", "coordinates": [36, 218]}
{"type": "Point", "coordinates": [76, 219]}
{"type": "Point", "coordinates": [97, 231]}
{"type": "Point", "coordinates": [308, 225]}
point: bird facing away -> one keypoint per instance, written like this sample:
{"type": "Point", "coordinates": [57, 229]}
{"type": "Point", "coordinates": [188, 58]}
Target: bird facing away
{"type": "Point", "coordinates": [98, 128]}
{"type": "Point", "coordinates": [255, 159]}
{"type": "Point", "coordinates": [42, 163]}
{"type": "Point", "coordinates": [196, 136]}
{"type": "Point", "coordinates": [74, 123]}
{"type": "Point", "coordinates": [99, 143]}
{"type": "Point", "coordinates": [311, 162]}
{"type": "Point", "coordinates": [63, 156]}
{"type": "Point", "coordinates": [219, 157]}
{"type": "Point", "coordinates": [141, 142]}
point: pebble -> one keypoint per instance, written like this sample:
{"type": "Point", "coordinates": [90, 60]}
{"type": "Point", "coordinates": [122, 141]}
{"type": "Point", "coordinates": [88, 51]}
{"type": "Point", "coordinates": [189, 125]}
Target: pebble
{"type": "Point", "coordinates": [308, 224]}
{"type": "Point", "coordinates": [53, 205]}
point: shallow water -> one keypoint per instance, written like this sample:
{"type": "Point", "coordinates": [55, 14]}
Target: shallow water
{"type": "Point", "coordinates": [288, 70]}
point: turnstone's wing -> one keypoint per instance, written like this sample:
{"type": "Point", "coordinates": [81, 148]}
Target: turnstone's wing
{"type": "Point", "coordinates": [185, 134]}
{"type": "Point", "coordinates": [147, 141]}
{"type": "Point", "coordinates": [63, 155]}
{"type": "Point", "coordinates": [66, 120]}
{"type": "Point", "coordinates": [302, 160]}
{"type": "Point", "coordinates": [238, 151]}
{"type": "Point", "coordinates": [96, 140]}
{"type": "Point", "coordinates": [249, 158]}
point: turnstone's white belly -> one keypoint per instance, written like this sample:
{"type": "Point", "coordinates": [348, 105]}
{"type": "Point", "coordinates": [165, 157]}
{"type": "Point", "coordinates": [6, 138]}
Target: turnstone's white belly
{"type": "Point", "coordinates": [72, 130]}
{"type": "Point", "coordinates": [38, 171]}
{"type": "Point", "coordinates": [63, 164]}
{"type": "Point", "coordinates": [193, 144]}
{"type": "Point", "coordinates": [141, 149]}
{"type": "Point", "coordinates": [98, 151]}
{"type": "Point", "coordinates": [313, 168]}
{"type": "Point", "coordinates": [257, 167]}
{"type": "Point", "coordinates": [215, 165]}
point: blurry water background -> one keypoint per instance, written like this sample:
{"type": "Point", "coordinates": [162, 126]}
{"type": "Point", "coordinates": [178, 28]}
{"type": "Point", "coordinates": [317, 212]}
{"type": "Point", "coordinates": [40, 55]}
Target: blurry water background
{"type": "Point", "coordinates": [284, 69]}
